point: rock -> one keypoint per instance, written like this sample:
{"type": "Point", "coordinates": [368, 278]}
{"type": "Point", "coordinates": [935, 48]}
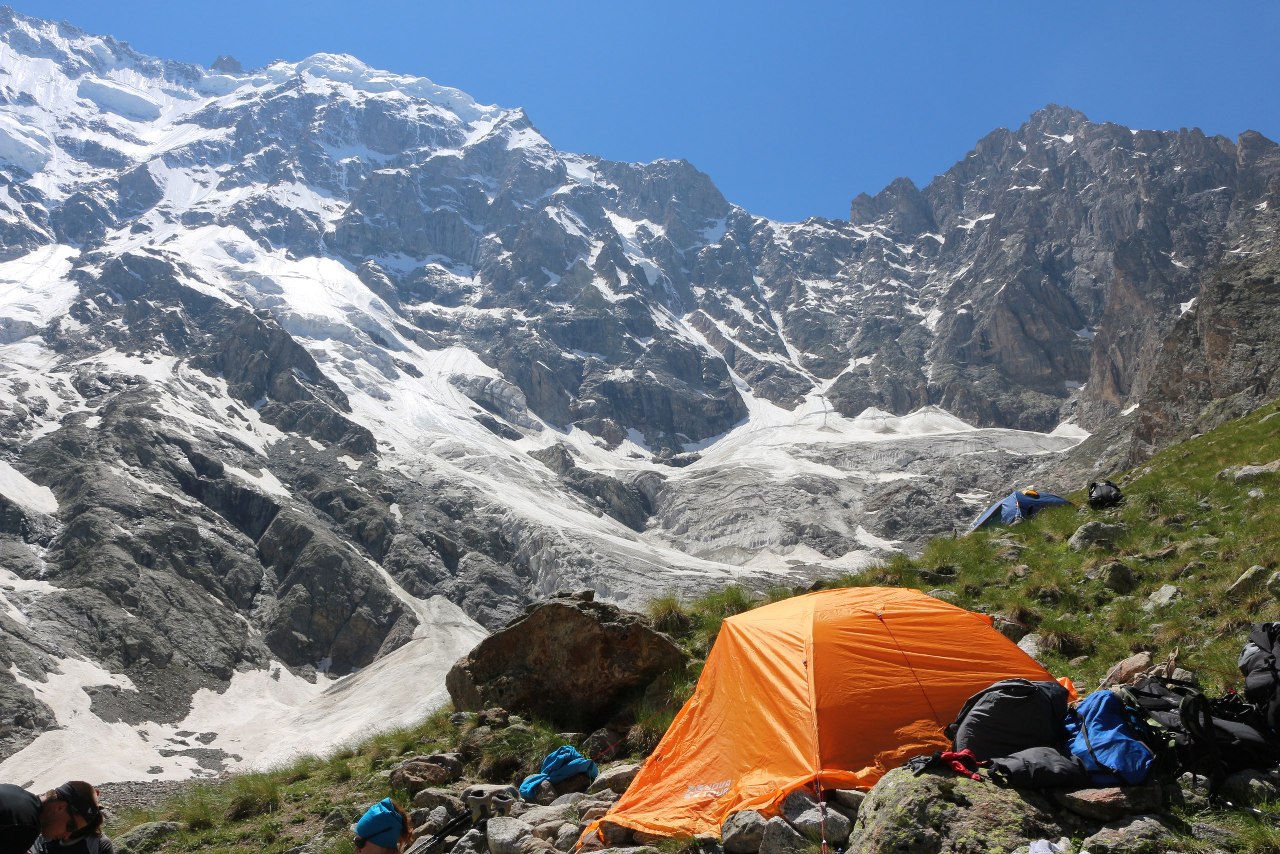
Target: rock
{"type": "Point", "coordinates": [1013, 631]}
{"type": "Point", "coordinates": [1250, 788]}
{"type": "Point", "coordinates": [1096, 533]}
{"type": "Point", "coordinates": [1257, 494]}
{"type": "Point", "coordinates": [796, 802]}
{"type": "Point", "coordinates": [544, 793]}
{"type": "Point", "coordinates": [1045, 846]}
{"type": "Point", "coordinates": [945, 595]}
{"type": "Point", "coordinates": [1165, 595]}
{"type": "Point", "coordinates": [472, 842]}
{"type": "Point", "coordinates": [1251, 579]}
{"type": "Point", "coordinates": [146, 837]}
{"type": "Point", "coordinates": [495, 718]}
{"type": "Point", "coordinates": [547, 814]}
{"type": "Point", "coordinates": [605, 744]}
{"type": "Point", "coordinates": [935, 813]}
{"type": "Point", "coordinates": [432, 798]}
{"type": "Point", "coordinates": [569, 662]}
{"type": "Point", "coordinates": [414, 776]}
{"type": "Point", "coordinates": [1111, 803]}
{"type": "Point", "coordinates": [850, 799]}
{"type": "Point", "coordinates": [614, 835]}
{"type": "Point", "coordinates": [779, 837]}
{"type": "Point", "coordinates": [1248, 474]}
{"type": "Point", "coordinates": [1118, 577]}
{"type": "Point", "coordinates": [505, 835]}
{"type": "Point", "coordinates": [567, 836]}
{"type": "Point", "coordinates": [1031, 645]}
{"type": "Point", "coordinates": [1147, 834]}
{"type": "Point", "coordinates": [569, 785]}
{"type": "Point", "coordinates": [1273, 585]}
{"type": "Point", "coordinates": [835, 829]}
{"type": "Point", "coordinates": [342, 818]}
{"type": "Point", "coordinates": [615, 779]}
{"type": "Point", "coordinates": [743, 832]}
{"type": "Point", "coordinates": [1124, 672]}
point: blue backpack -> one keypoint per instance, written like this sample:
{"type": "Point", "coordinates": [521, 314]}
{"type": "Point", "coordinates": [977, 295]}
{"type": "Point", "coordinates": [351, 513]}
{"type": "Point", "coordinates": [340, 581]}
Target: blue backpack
{"type": "Point", "coordinates": [1106, 737]}
{"type": "Point", "coordinates": [560, 764]}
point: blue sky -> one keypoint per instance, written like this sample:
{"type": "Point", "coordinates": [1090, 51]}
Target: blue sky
{"type": "Point", "coordinates": [792, 109]}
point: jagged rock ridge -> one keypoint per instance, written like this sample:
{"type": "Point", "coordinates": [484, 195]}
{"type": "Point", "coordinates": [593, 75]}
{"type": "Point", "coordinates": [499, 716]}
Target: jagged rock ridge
{"type": "Point", "coordinates": [289, 354]}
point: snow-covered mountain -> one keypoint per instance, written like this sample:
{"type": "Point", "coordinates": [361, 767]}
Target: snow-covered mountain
{"type": "Point", "coordinates": [315, 370]}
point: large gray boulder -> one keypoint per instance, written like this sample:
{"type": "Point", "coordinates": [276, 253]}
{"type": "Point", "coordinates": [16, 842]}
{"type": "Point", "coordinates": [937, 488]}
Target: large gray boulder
{"type": "Point", "coordinates": [1143, 834]}
{"type": "Point", "coordinates": [569, 661]}
{"type": "Point", "coordinates": [932, 813]}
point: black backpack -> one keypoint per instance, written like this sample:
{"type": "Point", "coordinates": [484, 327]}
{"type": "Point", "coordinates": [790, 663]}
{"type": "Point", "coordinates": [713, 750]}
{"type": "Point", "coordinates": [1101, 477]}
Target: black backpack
{"type": "Point", "coordinates": [1180, 727]}
{"type": "Point", "coordinates": [1261, 681]}
{"type": "Point", "coordinates": [1010, 716]}
{"type": "Point", "coordinates": [1104, 494]}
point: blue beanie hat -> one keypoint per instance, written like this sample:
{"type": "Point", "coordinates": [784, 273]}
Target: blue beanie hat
{"type": "Point", "coordinates": [381, 824]}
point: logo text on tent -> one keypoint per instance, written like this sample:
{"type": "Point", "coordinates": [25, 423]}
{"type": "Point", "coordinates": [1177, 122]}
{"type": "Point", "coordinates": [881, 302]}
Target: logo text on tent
{"type": "Point", "coordinates": [702, 791]}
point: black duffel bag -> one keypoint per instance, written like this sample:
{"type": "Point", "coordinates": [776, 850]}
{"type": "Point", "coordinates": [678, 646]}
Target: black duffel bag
{"type": "Point", "coordinates": [1038, 768]}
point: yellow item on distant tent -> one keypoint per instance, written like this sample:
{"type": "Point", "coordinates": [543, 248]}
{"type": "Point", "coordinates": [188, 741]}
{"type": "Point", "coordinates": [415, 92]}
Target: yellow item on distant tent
{"type": "Point", "coordinates": [1031, 492]}
{"type": "Point", "coordinates": [837, 686]}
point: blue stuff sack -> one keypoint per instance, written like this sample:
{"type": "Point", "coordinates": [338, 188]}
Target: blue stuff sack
{"type": "Point", "coordinates": [560, 764]}
{"type": "Point", "coordinates": [1103, 735]}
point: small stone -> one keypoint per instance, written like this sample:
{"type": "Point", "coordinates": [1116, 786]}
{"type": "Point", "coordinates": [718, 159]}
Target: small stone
{"type": "Point", "coordinates": [567, 836]}
{"type": "Point", "coordinates": [1250, 788]}
{"type": "Point", "coordinates": [504, 834]}
{"type": "Point", "coordinates": [1112, 802]}
{"type": "Point", "coordinates": [1257, 494]}
{"type": "Point", "coordinates": [1118, 577]}
{"type": "Point", "coordinates": [743, 832]}
{"type": "Point", "coordinates": [835, 829]}
{"type": "Point", "coordinates": [432, 798]}
{"type": "Point", "coordinates": [944, 595]}
{"type": "Point", "coordinates": [781, 838]}
{"type": "Point", "coordinates": [1123, 672]}
{"type": "Point", "coordinates": [543, 793]}
{"type": "Point", "coordinates": [1250, 580]}
{"type": "Point", "coordinates": [147, 836]}
{"type": "Point", "coordinates": [1166, 594]}
{"type": "Point", "coordinates": [796, 802]}
{"type": "Point", "coordinates": [1145, 834]}
{"type": "Point", "coordinates": [1096, 534]}
{"type": "Point", "coordinates": [850, 798]}
{"type": "Point", "coordinates": [1273, 585]}
{"type": "Point", "coordinates": [496, 718]}
{"type": "Point", "coordinates": [615, 779]}
{"type": "Point", "coordinates": [1031, 645]}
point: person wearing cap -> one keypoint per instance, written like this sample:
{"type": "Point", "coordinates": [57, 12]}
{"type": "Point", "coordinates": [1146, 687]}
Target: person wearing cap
{"type": "Point", "coordinates": [383, 829]}
{"type": "Point", "coordinates": [68, 812]}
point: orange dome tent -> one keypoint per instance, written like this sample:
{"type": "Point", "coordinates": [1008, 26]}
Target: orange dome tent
{"type": "Point", "coordinates": [837, 686]}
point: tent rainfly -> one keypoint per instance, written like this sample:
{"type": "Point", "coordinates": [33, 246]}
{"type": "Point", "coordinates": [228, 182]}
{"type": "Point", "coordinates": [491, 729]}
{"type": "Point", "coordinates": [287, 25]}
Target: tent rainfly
{"type": "Point", "coordinates": [835, 687]}
{"type": "Point", "coordinates": [1015, 507]}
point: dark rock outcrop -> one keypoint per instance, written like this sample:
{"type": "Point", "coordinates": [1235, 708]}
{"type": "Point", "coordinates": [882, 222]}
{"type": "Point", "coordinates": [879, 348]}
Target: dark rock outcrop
{"type": "Point", "coordinates": [569, 661]}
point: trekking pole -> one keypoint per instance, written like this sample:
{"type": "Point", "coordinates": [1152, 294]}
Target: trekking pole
{"type": "Point", "coordinates": [452, 825]}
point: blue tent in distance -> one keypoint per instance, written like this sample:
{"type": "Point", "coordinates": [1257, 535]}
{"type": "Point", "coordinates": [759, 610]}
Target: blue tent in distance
{"type": "Point", "coordinates": [1016, 506]}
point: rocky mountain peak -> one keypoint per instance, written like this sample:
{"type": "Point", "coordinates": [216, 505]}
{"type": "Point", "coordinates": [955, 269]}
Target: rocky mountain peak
{"type": "Point", "coordinates": [286, 352]}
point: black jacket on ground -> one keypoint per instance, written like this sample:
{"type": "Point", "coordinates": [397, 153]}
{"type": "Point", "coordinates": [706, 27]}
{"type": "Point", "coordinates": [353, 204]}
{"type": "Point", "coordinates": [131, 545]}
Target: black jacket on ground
{"type": "Point", "coordinates": [19, 819]}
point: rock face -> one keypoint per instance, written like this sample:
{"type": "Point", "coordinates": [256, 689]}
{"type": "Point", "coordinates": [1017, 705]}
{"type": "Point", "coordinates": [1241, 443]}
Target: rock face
{"type": "Point", "coordinates": [568, 661]}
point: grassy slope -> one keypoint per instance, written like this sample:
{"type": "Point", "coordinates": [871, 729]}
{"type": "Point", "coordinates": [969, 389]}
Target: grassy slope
{"type": "Point", "coordinates": [1185, 527]}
